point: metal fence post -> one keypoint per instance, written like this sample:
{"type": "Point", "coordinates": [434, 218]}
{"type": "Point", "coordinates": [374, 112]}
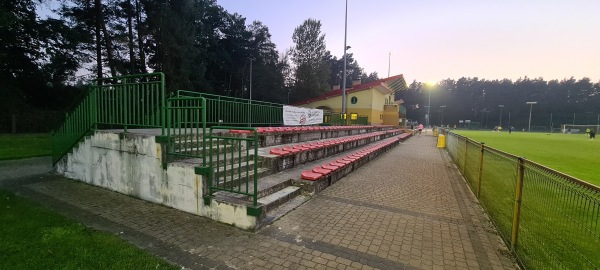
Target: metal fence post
{"type": "Point", "coordinates": [465, 161]}
{"type": "Point", "coordinates": [517, 210]}
{"type": "Point", "coordinates": [480, 169]}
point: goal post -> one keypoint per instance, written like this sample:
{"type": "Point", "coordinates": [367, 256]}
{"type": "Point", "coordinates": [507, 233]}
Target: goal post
{"type": "Point", "coordinates": [578, 129]}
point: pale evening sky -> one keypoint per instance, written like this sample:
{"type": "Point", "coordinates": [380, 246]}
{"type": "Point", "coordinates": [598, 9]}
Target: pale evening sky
{"type": "Point", "coordinates": [432, 40]}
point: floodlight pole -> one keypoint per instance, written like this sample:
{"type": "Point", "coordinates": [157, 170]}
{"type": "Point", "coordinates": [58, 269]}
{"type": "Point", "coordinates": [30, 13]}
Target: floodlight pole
{"type": "Point", "coordinates": [501, 107]}
{"type": "Point", "coordinates": [389, 63]}
{"type": "Point", "coordinates": [344, 75]}
{"type": "Point", "coordinates": [428, 108]}
{"type": "Point", "coordinates": [442, 117]}
{"type": "Point", "coordinates": [530, 108]}
{"type": "Point", "coordinates": [250, 99]}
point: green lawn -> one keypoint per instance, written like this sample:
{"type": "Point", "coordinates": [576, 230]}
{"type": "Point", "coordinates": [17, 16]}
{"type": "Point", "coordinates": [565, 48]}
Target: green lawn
{"type": "Point", "coordinates": [571, 154]}
{"type": "Point", "coordinates": [24, 146]}
{"type": "Point", "coordinates": [33, 237]}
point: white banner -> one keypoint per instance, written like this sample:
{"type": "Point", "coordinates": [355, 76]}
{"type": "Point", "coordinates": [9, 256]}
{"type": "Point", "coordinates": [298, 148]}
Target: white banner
{"type": "Point", "coordinates": [298, 116]}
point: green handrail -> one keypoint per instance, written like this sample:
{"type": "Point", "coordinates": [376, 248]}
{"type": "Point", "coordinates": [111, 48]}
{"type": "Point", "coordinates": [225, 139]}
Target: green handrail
{"type": "Point", "coordinates": [186, 127]}
{"type": "Point", "coordinates": [226, 165]}
{"type": "Point", "coordinates": [122, 102]}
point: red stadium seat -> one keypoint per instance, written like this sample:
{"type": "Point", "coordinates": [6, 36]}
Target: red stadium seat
{"type": "Point", "coordinates": [278, 151]}
{"type": "Point", "coordinates": [321, 170]}
{"type": "Point", "coordinates": [308, 175]}
{"type": "Point", "coordinates": [330, 167]}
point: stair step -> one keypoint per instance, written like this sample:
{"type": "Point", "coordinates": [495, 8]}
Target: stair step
{"type": "Point", "coordinates": [232, 181]}
{"type": "Point", "coordinates": [278, 198]}
{"type": "Point", "coordinates": [277, 195]}
{"type": "Point", "coordinates": [282, 210]}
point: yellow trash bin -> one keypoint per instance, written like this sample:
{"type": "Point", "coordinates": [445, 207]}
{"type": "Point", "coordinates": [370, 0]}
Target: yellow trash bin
{"type": "Point", "coordinates": [435, 132]}
{"type": "Point", "coordinates": [441, 141]}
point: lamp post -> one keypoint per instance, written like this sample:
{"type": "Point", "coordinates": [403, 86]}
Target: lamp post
{"type": "Point", "coordinates": [501, 107]}
{"type": "Point", "coordinates": [344, 76]}
{"type": "Point", "coordinates": [250, 99]}
{"type": "Point", "coordinates": [531, 103]}
{"type": "Point", "coordinates": [442, 117]}
{"type": "Point", "coordinates": [428, 108]}
{"type": "Point", "coordinates": [389, 63]}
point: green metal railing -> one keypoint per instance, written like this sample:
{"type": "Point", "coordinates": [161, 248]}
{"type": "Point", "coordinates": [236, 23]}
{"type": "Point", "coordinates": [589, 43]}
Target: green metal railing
{"type": "Point", "coordinates": [119, 102]}
{"type": "Point", "coordinates": [235, 161]}
{"type": "Point", "coordinates": [186, 128]}
{"type": "Point", "coordinates": [549, 219]}
{"type": "Point", "coordinates": [135, 101]}
{"type": "Point", "coordinates": [77, 124]}
{"type": "Point", "coordinates": [224, 110]}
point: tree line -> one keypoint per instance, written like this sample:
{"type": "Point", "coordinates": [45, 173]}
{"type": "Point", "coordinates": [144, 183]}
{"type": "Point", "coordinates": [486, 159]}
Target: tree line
{"type": "Point", "coordinates": [559, 102]}
{"type": "Point", "coordinates": [46, 61]}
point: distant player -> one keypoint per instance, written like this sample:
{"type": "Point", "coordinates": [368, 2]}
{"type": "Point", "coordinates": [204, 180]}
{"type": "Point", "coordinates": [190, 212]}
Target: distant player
{"type": "Point", "coordinates": [592, 134]}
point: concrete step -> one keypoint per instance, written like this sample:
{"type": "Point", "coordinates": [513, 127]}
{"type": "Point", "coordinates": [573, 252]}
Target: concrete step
{"type": "Point", "coordinates": [278, 198]}
{"type": "Point", "coordinates": [282, 210]}
{"type": "Point", "coordinates": [233, 181]}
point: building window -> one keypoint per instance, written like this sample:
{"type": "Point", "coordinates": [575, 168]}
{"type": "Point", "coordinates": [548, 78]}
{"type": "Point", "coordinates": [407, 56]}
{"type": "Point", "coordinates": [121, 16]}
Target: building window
{"type": "Point", "coordinates": [353, 100]}
{"type": "Point", "coordinates": [353, 116]}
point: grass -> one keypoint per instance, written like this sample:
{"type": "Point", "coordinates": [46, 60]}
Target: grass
{"type": "Point", "coordinates": [559, 224]}
{"type": "Point", "coordinates": [34, 237]}
{"type": "Point", "coordinates": [572, 154]}
{"type": "Point", "coordinates": [24, 146]}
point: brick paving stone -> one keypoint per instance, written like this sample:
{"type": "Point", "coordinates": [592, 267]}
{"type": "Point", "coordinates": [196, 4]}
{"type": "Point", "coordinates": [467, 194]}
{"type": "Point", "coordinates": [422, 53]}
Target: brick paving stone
{"type": "Point", "coordinates": [409, 209]}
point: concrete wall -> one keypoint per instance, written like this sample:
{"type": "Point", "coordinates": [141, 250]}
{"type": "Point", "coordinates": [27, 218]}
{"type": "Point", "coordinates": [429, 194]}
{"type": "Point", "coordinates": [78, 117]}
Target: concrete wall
{"type": "Point", "coordinates": [132, 165]}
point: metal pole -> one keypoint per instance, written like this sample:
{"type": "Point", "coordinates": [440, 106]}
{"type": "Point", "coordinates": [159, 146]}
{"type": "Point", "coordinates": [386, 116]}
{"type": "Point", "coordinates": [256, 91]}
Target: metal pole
{"type": "Point", "coordinates": [501, 108]}
{"type": "Point", "coordinates": [344, 76]}
{"type": "Point", "coordinates": [480, 176]}
{"type": "Point", "coordinates": [530, 108]}
{"type": "Point", "coordinates": [428, 108]}
{"type": "Point", "coordinates": [573, 118]}
{"type": "Point", "coordinates": [442, 117]}
{"type": "Point", "coordinates": [250, 100]}
{"type": "Point", "coordinates": [517, 209]}
{"type": "Point", "coordinates": [389, 63]}
{"type": "Point", "coordinates": [251, 79]}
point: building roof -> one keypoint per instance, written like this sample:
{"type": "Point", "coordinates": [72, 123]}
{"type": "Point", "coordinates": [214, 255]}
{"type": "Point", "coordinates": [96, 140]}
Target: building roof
{"type": "Point", "coordinates": [388, 86]}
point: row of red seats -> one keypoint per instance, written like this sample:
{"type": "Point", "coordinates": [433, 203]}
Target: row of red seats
{"type": "Point", "coordinates": [286, 150]}
{"type": "Point", "coordinates": [302, 128]}
{"type": "Point", "coordinates": [328, 168]}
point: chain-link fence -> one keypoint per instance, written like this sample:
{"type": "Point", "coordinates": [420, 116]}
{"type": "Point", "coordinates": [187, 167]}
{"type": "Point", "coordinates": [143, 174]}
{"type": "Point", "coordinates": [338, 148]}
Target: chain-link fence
{"type": "Point", "coordinates": [549, 219]}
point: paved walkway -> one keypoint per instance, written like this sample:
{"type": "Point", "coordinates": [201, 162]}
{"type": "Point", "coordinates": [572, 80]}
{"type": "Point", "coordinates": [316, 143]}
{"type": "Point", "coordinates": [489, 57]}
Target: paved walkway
{"type": "Point", "coordinates": [410, 209]}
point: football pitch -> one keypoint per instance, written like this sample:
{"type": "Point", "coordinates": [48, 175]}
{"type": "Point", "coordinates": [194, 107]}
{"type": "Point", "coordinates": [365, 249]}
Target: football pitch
{"type": "Point", "coordinates": [572, 154]}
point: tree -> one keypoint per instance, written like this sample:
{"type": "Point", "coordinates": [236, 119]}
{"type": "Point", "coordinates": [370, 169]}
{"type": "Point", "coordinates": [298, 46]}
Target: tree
{"type": "Point", "coordinates": [353, 70]}
{"type": "Point", "coordinates": [36, 56]}
{"type": "Point", "coordinates": [309, 57]}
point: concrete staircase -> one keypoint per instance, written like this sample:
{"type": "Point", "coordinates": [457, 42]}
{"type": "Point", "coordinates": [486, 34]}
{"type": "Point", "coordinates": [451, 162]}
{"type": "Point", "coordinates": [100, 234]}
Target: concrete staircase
{"type": "Point", "coordinates": [280, 188]}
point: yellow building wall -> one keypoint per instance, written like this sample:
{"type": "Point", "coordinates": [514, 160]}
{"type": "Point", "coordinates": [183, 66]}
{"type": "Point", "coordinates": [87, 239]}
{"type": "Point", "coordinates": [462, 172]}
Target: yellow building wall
{"type": "Point", "coordinates": [369, 102]}
{"type": "Point", "coordinates": [335, 103]}
{"type": "Point", "coordinates": [390, 115]}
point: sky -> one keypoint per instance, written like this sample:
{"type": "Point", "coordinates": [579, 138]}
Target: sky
{"type": "Point", "coordinates": [432, 40]}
